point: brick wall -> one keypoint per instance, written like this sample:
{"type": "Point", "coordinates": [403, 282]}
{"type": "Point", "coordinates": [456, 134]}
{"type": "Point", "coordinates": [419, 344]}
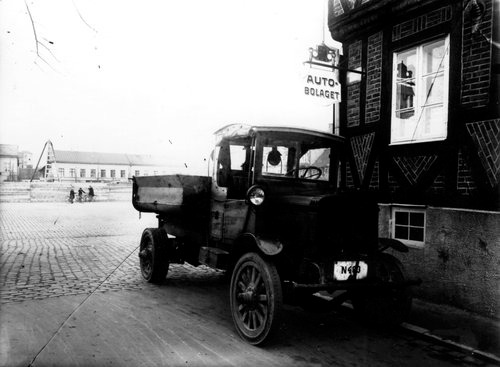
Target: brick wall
{"type": "Point", "coordinates": [438, 185]}
{"type": "Point", "coordinates": [361, 149]}
{"type": "Point", "coordinates": [423, 22]}
{"type": "Point", "coordinates": [375, 179]}
{"type": "Point", "coordinates": [373, 78]}
{"type": "Point", "coordinates": [413, 167]}
{"type": "Point", "coordinates": [486, 137]}
{"type": "Point", "coordinates": [349, 179]}
{"type": "Point", "coordinates": [392, 183]}
{"type": "Point", "coordinates": [476, 58]}
{"type": "Point", "coordinates": [354, 89]}
{"type": "Point", "coordinates": [466, 185]}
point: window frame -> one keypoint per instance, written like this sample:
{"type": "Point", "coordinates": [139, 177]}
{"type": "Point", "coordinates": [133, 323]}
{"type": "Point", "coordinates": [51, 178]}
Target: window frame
{"type": "Point", "coordinates": [408, 209]}
{"type": "Point", "coordinates": [278, 138]}
{"type": "Point", "coordinates": [420, 98]}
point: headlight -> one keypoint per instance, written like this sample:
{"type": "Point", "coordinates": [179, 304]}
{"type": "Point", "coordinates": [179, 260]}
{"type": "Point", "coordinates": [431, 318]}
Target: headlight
{"type": "Point", "coordinates": [256, 195]}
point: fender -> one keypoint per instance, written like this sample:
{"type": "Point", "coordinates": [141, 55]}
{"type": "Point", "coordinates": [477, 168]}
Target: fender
{"type": "Point", "coordinates": [384, 243]}
{"type": "Point", "coordinates": [267, 246]}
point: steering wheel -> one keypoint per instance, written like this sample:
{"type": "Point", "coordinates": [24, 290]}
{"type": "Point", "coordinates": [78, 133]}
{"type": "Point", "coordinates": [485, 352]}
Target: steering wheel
{"type": "Point", "coordinates": [312, 176]}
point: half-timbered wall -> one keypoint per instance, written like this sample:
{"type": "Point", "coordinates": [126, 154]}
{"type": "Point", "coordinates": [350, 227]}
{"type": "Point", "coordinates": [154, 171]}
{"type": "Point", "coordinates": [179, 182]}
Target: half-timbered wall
{"type": "Point", "coordinates": [453, 179]}
{"type": "Point", "coordinates": [462, 170]}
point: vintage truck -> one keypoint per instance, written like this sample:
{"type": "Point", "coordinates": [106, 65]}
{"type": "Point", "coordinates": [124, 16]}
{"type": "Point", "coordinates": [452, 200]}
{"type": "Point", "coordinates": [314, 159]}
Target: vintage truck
{"type": "Point", "coordinates": [270, 212]}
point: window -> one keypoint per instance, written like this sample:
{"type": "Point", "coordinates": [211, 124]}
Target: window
{"type": "Point", "coordinates": [122, 173]}
{"type": "Point", "coordinates": [320, 158]}
{"type": "Point", "coordinates": [420, 93]}
{"type": "Point", "coordinates": [112, 173]}
{"type": "Point", "coordinates": [72, 172]}
{"type": "Point", "coordinates": [408, 225]}
{"type": "Point", "coordinates": [61, 172]}
{"type": "Point", "coordinates": [92, 173]}
{"type": "Point", "coordinates": [275, 160]}
{"type": "Point", "coordinates": [83, 173]}
{"type": "Point", "coordinates": [233, 165]}
{"type": "Point", "coordinates": [300, 158]}
{"type": "Point", "coordinates": [103, 173]}
{"type": "Point", "coordinates": [137, 173]}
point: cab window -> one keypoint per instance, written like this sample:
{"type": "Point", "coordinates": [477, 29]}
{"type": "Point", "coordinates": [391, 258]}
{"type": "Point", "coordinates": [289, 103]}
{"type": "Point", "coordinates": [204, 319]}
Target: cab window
{"type": "Point", "coordinates": [233, 166]}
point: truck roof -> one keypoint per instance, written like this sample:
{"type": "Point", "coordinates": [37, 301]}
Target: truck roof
{"type": "Point", "coordinates": [236, 130]}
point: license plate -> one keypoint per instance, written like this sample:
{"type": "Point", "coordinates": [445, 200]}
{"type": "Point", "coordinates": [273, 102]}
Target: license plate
{"type": "Point", "coordinates": [342, 270]}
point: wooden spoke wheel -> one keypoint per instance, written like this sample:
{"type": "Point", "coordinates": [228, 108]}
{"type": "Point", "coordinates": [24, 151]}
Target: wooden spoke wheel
{"type": "Point", "coordinates": [256, 298]}
{"type": "Point", "coordinates": [153, 255]}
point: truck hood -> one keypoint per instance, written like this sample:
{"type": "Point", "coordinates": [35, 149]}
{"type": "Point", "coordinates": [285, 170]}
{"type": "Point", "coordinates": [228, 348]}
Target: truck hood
{"type": "Point", "coordinates": [342, 222]}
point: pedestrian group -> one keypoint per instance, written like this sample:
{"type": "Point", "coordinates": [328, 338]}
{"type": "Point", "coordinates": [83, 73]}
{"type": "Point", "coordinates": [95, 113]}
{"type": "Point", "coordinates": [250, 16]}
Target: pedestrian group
{"type": "Point", "coordinates": [81, 195]}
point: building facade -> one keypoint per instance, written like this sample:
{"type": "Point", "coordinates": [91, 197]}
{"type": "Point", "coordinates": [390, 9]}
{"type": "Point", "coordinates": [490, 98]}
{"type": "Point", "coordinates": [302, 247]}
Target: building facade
{"type": "Point", "coordinates": [423, 124]}
{"type": "Point", "coordinates": [76, 166]}
{"type": "Point", "coordinates": [9, 162]}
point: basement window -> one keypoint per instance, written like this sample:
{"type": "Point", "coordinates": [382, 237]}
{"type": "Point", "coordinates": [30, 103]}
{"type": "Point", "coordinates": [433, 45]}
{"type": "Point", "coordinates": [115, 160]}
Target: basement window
{"type": "Point", "coordinates": [408, 225]}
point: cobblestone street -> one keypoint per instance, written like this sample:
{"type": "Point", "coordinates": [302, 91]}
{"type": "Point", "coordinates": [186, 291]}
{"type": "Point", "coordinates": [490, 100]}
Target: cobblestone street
{"type": "Point", "coordinates": [54, 255]}
{"type": "Point", "coordinates": [52, 250]}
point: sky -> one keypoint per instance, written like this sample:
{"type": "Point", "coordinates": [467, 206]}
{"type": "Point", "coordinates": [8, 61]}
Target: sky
{"type": "Point", "coordinates": [154, 77]}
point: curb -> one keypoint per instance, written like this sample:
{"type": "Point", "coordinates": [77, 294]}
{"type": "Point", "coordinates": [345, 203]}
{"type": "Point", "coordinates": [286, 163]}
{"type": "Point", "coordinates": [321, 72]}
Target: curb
{"type": "Point", "coordinates": [426, 334]}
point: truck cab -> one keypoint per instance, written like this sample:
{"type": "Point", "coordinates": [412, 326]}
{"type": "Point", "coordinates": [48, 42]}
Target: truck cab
{"type": "Point", "coordinates": [271, 213]}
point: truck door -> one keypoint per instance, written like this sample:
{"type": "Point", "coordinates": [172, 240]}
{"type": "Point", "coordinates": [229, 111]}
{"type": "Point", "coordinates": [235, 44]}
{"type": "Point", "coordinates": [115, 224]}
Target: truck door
{"type": "Point", "coordinates": [231, 175]}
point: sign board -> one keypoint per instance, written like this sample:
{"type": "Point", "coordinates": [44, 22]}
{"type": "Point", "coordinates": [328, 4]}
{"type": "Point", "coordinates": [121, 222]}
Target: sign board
{"type": "Point", "coordinates": [322, 84]}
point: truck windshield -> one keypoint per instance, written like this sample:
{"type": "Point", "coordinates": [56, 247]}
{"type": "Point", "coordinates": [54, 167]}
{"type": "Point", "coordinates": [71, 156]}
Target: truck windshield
{"type": "Point", "coordinates": [298, 156]}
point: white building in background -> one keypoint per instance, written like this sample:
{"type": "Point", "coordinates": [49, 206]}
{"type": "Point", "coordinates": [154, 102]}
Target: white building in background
{"type": "Point", "coordinates": [65, 165]}
{"type": "Point", "coordinates": [9, 162]}
{"type": "Point", "coordinates": [25, 159]}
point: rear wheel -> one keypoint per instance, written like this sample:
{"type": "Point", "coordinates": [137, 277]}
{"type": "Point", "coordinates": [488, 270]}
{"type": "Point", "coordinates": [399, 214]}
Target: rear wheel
{"type": "Point", "coordinates": [385, 306]}
{"type": "Point", "coordinates": [256, 298]}
{"type": "Point", "coordinates": [153, 255]}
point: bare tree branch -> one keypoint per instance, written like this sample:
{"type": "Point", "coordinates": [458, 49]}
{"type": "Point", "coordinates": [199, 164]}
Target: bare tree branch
{"type": "Point", "coordinates": [81, 17]}
{"type": "Point", "coordinates": [38, 43]}
{"type": "Point", "coordinates": [50, 51]}
{"type": "Point", "coordinates": [34, 29]}
{"type": "Point", "coordinates": [50, 66]}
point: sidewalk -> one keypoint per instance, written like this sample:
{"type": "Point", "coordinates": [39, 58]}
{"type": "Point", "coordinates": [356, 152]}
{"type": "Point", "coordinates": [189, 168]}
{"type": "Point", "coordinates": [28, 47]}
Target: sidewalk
{"type": "Point", "coordinates": [458, 328]}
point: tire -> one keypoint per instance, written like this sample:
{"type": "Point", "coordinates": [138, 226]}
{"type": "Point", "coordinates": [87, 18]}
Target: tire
{"type": "Point", "coordinates": [153, 255]}
{"type": "Point", "coordinates": [256, 298]}
{"type": "Point", "coordinates": [388, 307]}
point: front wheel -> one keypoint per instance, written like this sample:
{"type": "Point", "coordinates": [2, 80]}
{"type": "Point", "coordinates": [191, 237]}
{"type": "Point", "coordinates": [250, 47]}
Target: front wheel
{"type": "Point", "coordinates": [153, 255]}
{"type": "Point", "coordinates": [256, 298]}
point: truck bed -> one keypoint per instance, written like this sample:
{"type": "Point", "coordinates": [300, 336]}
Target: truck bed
{"type": "Point", "coordinates": [171, 193]}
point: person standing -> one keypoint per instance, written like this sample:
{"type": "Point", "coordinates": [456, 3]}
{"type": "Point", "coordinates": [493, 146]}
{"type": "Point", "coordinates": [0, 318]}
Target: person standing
{"type": "Point", "coordinates": [80, 194]}
{"type": "Point", "coordinates": [91, 193]}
